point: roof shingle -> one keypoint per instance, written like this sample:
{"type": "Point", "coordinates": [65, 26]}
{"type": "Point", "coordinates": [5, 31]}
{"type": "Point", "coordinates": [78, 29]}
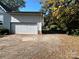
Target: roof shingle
{"type": "Point", "coordinates": [5, 7]}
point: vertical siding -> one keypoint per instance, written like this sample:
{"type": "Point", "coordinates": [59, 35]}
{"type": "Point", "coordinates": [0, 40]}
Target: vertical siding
{"type": "Point", "coordinates": [7, 20]}
{"type": "Point", "coordinates": [1, 17]}
{"type": "Point", "coordinates": [1, 14]}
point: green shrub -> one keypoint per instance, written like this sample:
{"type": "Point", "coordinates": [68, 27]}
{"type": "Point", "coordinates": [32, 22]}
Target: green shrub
{"type": "Point", "coordinates": [4, 31]}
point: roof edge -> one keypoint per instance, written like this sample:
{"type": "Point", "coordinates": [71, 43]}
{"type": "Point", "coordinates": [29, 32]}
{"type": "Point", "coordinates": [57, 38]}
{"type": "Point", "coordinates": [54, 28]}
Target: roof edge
{"type": "Point", "coordinates": [26, 13]}
{"type": "Point", "coordinates": [5, 7]}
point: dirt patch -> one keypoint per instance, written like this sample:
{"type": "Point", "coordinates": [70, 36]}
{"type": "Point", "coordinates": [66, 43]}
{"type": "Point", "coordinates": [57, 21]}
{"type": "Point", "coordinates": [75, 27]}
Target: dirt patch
{"type": "Point", "coordinates": [57, 46]}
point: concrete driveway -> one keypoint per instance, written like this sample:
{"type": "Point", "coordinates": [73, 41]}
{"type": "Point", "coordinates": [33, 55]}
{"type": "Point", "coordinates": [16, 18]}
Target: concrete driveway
{"type": "Point", "coordinates": [56, 46]}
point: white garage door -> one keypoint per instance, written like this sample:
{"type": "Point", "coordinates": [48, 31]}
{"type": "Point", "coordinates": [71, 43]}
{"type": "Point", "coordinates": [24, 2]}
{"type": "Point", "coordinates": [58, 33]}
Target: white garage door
{"type": "Point", "coordinates": [24, 28]}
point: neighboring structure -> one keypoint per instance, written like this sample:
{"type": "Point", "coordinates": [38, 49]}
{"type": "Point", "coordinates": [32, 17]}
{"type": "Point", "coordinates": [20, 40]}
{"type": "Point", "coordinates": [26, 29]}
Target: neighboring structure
{"type": "Point", "coordinates": [21, 22]}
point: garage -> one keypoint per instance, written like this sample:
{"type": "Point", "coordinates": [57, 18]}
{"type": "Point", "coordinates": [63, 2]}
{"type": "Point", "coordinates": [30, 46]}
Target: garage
{"type": "Point", "coordinates": [24, 28]}
{"type": "Point", "coordinates": [24, 22]}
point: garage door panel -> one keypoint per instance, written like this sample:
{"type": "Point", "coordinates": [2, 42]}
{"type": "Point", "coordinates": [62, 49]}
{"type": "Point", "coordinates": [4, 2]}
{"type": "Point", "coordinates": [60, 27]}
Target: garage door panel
{"type": "Point", "coordinates": [24, 28]}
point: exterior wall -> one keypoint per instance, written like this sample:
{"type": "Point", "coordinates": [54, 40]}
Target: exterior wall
{"type": "Point", "coordinates": [5, 18]}
{"type": "Point", "coordinates": [24, 18]}
{"type": "Point", "coordinates": [21, 18]}
{"type": "Point", "coordinates": [34, 19]}
{"type": "Point", "coordinates": [1, 14]}
{"type": "Point", "coordinates": [39, 27]}
{"type": "Point", "coordinates": [1, 17]}
{"type": "Point", "coordinates": [6, 21]}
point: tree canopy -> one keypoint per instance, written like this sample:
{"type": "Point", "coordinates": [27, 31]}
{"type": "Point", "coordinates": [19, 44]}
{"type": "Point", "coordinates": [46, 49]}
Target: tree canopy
{"type": "Point", "coordinates": [62, 15]}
